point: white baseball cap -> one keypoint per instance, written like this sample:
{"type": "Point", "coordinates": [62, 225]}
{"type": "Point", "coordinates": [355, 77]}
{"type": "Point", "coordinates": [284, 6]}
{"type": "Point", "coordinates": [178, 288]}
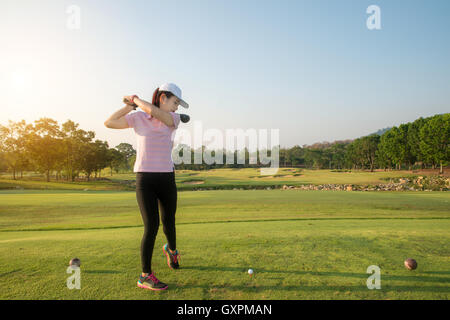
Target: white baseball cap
{"type": "Point", "coordinates": [172, 87]}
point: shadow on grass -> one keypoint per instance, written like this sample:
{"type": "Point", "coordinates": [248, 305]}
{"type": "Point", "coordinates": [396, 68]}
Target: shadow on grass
{"type": "Point", "coordinates": [101, 271]}
{"type": "Point", "coordinates": [437, 272]}
{"type": "Point", "coordinates": [230, 221]}
{"type": "Point", "coordinates": [344, 290]}
{"type": "Point", "coordinates": [412, 277]}
{"type": "Point", "coordinates": [10, 272]}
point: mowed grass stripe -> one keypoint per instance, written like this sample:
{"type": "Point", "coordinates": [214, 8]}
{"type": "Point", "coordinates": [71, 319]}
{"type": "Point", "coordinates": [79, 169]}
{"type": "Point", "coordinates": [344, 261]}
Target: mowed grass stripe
{"type": "Point", "coordinates": [46, 210]}
{"type": "Point", "coordinates": [216, 222]}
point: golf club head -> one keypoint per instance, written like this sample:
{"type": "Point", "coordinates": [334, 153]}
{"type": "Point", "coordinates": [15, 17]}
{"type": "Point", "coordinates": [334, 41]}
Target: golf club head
{"type": "Point", "coordinates": [184, 118]}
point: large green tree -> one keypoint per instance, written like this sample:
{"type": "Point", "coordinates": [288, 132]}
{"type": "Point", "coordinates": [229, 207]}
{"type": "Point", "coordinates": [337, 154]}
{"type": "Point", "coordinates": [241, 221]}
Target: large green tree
{"type": "Point", "coordinates": [128, 152]}
{"type": "Point", "coordinates": [368, 150]}
{"type": "Point", "coordinates": [414, 139]}
{"type": "Point", "coordinates": [44, 145]}
{"type": "Point", "coordinates": [392, 146]}
{"type": "Point", "coordinates": [74, 142]}
{"type": "Point", "coordinates": [434, 143]}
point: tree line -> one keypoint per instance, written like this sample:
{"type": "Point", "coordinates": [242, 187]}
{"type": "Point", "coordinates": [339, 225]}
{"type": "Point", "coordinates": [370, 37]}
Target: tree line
{"type": "Point", "coordinates": [67, 151]}
{"type": "Point", "coordinates": [423, 143]}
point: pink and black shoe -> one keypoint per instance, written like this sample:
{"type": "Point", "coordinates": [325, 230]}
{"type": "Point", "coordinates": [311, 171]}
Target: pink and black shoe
{"type": "Point", "coordinates": [151, 282]}
{"type": "Point", "coordinates": [173, 257]}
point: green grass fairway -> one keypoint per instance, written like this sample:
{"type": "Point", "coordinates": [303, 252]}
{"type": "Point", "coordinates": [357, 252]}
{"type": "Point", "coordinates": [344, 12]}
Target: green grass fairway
{"type": "Point", "coordinates": [300, 244]}
{"type": "Point", "coordinates": [223, 178]}
{"type": "Point", "coordinates": [291, 176]}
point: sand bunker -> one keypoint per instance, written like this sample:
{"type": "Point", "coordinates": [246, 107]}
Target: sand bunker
{"type": "Point", "coordinates": [194, 182]}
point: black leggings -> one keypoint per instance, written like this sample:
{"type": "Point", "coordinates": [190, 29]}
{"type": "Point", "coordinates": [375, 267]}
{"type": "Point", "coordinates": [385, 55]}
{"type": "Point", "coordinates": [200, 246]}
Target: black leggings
{"type": "Point", "coordinates": [151, 188]}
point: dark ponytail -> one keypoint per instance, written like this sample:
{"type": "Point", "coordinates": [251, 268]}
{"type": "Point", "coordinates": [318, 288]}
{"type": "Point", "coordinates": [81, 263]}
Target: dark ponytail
{"type": "Point", "coordinates": [157, 94]}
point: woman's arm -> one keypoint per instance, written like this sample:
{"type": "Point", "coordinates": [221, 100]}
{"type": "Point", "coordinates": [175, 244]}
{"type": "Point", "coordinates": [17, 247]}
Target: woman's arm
{"type": "Point", "coordinates": [117, 119]}
{"type": "Point", "coordinates": [154, 111]}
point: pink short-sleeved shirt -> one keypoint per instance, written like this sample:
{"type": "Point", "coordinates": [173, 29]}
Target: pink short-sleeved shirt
{"type": "Point", "coordinates": [154, 142]}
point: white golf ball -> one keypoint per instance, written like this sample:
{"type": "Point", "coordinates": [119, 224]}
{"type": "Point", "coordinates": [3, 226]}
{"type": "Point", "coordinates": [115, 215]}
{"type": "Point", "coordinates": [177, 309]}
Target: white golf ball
{"type": "Point", "coordinates": [250, 271]}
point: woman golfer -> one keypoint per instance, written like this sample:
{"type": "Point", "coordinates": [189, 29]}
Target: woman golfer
{"type": "Point", "coordinates": [155, 173]}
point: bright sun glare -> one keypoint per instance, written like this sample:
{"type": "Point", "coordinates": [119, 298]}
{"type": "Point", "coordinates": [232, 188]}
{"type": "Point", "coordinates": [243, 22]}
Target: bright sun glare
{"type": "Point", "coordinates": [20, 80]}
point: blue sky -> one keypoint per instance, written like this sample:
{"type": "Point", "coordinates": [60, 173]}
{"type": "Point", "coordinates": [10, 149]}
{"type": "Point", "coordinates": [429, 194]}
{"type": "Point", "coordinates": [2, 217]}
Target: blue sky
{"type": "Point", "coordinates": [309, 68]}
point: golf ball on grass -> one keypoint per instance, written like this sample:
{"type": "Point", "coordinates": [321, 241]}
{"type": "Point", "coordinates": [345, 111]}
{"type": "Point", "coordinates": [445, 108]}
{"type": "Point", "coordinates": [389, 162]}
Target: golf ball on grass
{"type": "Point", "coordinates": [75, 262]}
{"type": "Point", "coordinates": [410, 264]}
{"type": "Point", "coordinates": [250, 271]}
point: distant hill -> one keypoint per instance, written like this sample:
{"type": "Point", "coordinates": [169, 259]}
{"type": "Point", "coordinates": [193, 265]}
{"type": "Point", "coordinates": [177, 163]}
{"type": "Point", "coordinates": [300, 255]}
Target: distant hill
{"type": "Point", "coordinates": [381, 131]}
{"type": "Point", "coordinates": [326, 144]}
